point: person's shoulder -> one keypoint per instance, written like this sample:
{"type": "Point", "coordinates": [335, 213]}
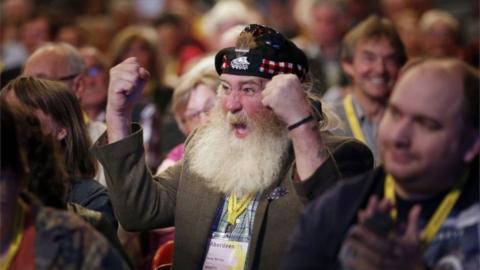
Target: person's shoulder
{"type": "Point", "coordinates": [87, 186]}
{"type": "Point", "coordinates": [346, 146]}
{"type": "Point", "coordinates": [346, 192]}
{"type": "Point", "coordinates": [334, 140]}
{"type": "Point", "coordinates": [50, 219]}
{"type": "Point", "coordinates": [75, 240]}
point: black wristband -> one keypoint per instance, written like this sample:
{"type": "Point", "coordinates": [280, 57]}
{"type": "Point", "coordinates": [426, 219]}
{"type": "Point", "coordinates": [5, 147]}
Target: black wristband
{"type": "Point", "coordinates": [301, 122]}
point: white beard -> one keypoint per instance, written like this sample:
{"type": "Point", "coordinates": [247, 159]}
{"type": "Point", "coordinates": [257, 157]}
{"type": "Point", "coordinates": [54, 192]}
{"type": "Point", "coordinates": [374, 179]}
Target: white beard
{"type": "Point", "coordinates": [243, 166]}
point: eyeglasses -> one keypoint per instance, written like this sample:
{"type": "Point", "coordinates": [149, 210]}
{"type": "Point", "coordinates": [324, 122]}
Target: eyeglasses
{"type": "Point", "coordinates": [67, 77]}
{"type": "Point", "coordinates": [195, 115]}
{"type": "Point", "coordinates": [94, 71]}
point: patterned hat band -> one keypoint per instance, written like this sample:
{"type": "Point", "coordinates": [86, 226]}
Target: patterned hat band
{"type": "Point", "coordinates": [253, 63]}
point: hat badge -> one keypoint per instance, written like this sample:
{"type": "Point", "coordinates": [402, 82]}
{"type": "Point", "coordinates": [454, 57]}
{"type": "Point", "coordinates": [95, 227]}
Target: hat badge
{"type": "Point", "coordinates": [240, 63]}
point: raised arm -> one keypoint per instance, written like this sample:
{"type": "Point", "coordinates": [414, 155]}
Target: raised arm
{"type": "Point", "coordinates": [127, 80]}
{"type": "Point", "coordinates": [140, 202]}
{"type": "Point", "coordinates": [285, 95]}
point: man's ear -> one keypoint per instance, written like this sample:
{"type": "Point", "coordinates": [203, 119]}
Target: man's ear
{"type": "Point", "coordinates": [79, 86]}
{"type": "Point", "coordinates": [347, 67]}
{"type": "Point", "coordinates": [473, 150]}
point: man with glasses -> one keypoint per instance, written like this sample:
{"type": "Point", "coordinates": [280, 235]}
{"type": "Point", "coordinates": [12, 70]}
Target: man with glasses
{"type": "Point", "coordinates": [94, 101]}
{"type": "Point", "coordinates": [246, 174]}
{"type": "Point", "coordinates": [62, 62]}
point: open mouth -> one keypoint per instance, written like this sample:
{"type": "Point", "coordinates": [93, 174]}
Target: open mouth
{"type": "Point", "coordinates": [240, 130]}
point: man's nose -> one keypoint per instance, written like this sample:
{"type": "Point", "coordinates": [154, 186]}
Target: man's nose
{"type": "Point", "coordinates": [402, 133]}
{"type": "Point", "coordinates": [379, 66]}
{"type": "Point", "coordinates": [233, 102]}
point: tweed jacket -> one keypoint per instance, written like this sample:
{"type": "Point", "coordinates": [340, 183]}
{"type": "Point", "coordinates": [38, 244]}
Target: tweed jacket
{"type": "Point", "coordinates": [179, 197]}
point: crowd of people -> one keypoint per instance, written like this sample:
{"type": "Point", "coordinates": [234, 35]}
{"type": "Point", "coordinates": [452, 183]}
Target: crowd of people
{"type": "Point", "coordinates": [297, 134]}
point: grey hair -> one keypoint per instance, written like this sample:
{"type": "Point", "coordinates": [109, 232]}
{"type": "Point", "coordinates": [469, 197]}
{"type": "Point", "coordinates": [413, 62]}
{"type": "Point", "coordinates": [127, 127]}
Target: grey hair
{"type": "Point", "coordinates": [329, 119]}
{"type": "Point", "coordinates": [73, 59]}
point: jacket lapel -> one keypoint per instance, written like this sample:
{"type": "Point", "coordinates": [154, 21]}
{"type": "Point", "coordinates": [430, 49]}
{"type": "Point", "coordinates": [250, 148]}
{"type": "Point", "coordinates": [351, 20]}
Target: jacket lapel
{"type": "Point", "coordinates": [277, 191]}
{"type": "Point", "coordinates": [196, 209]}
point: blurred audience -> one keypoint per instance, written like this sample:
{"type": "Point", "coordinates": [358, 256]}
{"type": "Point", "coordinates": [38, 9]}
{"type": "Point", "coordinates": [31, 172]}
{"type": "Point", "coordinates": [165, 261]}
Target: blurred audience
{"type": "Point", "coordinates": [391, 8]}
{"type": "Point", "coordinates": [160, 133]}
{"type": "Point", "coordinates": [440, 34]}
{"type": "Point", "coordinates": [36, 30]}
{"type": "Point", "coordinates": [224, 15]}
{"type": "Point", "coordinates": [178, 44]}
{"type": "Point", "coordinates": [406, 24]}
{"type": "Point", "coordinates": [327, 24]}
{"type": "Point", "coordinates": [70, 32]}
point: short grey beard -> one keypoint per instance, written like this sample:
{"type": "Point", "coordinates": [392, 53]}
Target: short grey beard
{"type": "Point", "coordinates": [243, 166]}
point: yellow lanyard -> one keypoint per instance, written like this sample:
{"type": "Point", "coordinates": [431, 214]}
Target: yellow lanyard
{"type": "Point", "coordinates": [17, 237]}
{"type": "Point", "coordinates": [434, 224]}
{"type": "Point", "coordinates": [235, 209]}
{"type": "Point", "coordinates": [352, 119]}
{"type": "Point", "coordinates": [86, 119]}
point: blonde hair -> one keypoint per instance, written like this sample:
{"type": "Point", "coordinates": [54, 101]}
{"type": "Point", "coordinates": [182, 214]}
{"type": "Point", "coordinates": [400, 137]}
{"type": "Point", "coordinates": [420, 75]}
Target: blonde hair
{"type": "Point", "coordinates": [203, 72]}
{"type": "Point", "coordinates": [226, 11]}
{"type": "Point", "coordinates": [433, 16]}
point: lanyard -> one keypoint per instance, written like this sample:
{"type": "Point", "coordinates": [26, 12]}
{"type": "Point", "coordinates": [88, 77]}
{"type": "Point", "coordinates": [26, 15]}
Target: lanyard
{"type": "Point", "coordinates": [17, 238]}
{"type": "Point", "coordinates": [235, 209]}
{"type": "Point", "coordinates": [86, 119]}
{"type": "Point", "coordinates": [352, 119]}
{"type": "Point", "coordinates": [434, 224]}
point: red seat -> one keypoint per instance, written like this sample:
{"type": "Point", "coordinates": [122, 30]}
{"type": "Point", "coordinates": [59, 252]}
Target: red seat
{"type": "Point", "coordinates": [163, 256]}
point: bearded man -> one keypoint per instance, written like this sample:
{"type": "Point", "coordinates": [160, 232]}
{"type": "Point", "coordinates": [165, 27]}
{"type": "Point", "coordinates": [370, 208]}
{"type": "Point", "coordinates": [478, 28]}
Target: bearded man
{"type": "Point", "coordinates": [245, 176]}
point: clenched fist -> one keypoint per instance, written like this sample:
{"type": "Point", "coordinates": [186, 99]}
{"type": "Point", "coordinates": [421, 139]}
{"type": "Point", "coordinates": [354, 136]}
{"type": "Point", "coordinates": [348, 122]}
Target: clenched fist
{"type": "Point", "coordinates": [285, 95]}
{"type": "Point", "coordinates": [127, 80]}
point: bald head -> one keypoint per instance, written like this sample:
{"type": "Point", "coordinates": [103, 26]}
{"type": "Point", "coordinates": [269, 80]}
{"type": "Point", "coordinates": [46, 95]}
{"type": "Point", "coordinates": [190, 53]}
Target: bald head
{"type": "Point", "coordinates": [454, 75]}
{"type": "Point", "coordinates": [58, 62]}
{"type": "Point", "coordinates": [428, 131]}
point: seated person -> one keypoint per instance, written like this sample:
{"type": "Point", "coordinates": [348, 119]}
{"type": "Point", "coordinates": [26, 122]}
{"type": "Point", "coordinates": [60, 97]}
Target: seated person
{"type": "Point", "coordinates": [38, 237]}
{"type": "Point", "coordinates": [421, 208]}
{"type": "Point", "coordinates": [192, 100]}
{"type": "Point", "coordinates": [59, 113]}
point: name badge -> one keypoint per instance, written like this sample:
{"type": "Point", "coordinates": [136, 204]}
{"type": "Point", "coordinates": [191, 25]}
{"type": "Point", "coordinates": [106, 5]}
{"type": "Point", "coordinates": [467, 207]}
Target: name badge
{"type": "Point", "coordinates": [225, 254]}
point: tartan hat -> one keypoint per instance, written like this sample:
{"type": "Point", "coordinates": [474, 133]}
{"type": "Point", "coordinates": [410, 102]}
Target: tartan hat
{"type": "Point", "coordinates": [267, 54]}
